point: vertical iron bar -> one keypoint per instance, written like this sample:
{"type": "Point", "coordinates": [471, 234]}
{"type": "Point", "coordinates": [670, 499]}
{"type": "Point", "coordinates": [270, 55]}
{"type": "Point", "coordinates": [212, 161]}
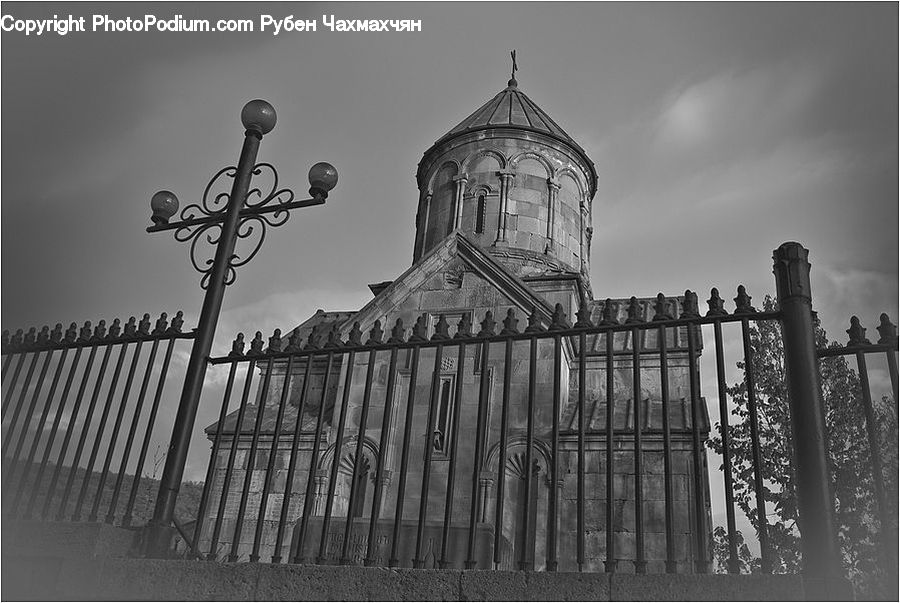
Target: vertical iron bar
{"type": "Point", "coordinates": [214, 456]}
{"type": "Point", "coordinates": [251, 461]}
{"type": "Point", "coordinates": [313, 457]}
{"type": "Point", "coordinates": [129, 441]}
{"type": "Point", "coordinates": [19, 404]}
{"type": "Point", "coordinates": [11, 386]}
{"type": "Point", "coordinates": [23, 433]}
{"type": "Point", "coordinates": [875, 461]}
{"type": "Point", "coordinates": [84, 433]}
{"type": "Point", "coordinates": [610, 562]}
{"type": "Point", "coordinates": [357, 459]}
{"type": "Point", "coordinates": [671, 563]}
{"type": "Point", "coordinates": [151, 420]}
{"type": "Point", "coordinates": [6, 363]}
{"type": "Point", "coordinates": [120, 415]}
{"type": "Point", "coordinates": [701, 562]}
{"type": "Point", "coordinates": [381, 475]}
{"type": "Point", "coordinates": [39, 430]}
{"type": "Point", "coordinates": [892, 369]}
{"type": "Point", "coordinates": [501, 460]}
{"type": "Point", "coordinates": [553, 503]}
{"type": "Point", "coordinates": [273, 452]}
{"type": "Point", "coordinates": [418, 559]}
{"type": "Point", "coordinates": [70, 429]}
{"type": "Point", "coordinates": [582, 394]}
{"type": "Point", "coordinates": [640, 563]}
{"type": "Point", "coordinates": [483, 393]}
{"type": "Point", "coordinates": [95, 449]}
{"type": "Point", "coordinates": [336, 457]}
{"type": "Point", "coordinates": [734, 566]}
{"type": "Point", "coordinates": [821, 554]}
{"type": "Point", "coordinates": [525, 557]}
{"type": "Point", "coordinates": [454, 442]}
{"type": "Point", "coordinates": [48, 448]}
{"type": "Point", "coordinates": [404, 456]}
{"type": "Point", "coordinates": [762, 524]}
{"type": "Point", "coordinates": [229, 466]}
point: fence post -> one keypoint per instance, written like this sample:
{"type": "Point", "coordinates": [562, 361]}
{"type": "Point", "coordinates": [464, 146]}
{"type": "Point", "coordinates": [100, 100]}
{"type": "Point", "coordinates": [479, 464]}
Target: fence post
{"type": "Point", "coordinates": [821, 563]}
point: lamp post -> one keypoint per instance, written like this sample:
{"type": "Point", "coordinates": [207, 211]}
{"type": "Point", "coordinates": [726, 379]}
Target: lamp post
{"type": "Point", "coordinates": [219, 220]}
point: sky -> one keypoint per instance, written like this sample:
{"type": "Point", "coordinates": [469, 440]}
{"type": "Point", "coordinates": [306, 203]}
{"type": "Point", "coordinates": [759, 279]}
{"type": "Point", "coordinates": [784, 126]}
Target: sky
{"type": "Point", "coordinates": [719, 131]}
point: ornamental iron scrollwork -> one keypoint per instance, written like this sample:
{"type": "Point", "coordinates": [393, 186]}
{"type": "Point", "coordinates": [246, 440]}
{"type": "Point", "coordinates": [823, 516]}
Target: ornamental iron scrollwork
{"type": "Point", "coordinates": [259, 211]}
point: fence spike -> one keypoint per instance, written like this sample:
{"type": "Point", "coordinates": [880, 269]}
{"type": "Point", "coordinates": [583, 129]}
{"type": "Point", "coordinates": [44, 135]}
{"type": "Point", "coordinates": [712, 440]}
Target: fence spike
{"type": "Point", "coordinates": [71, 335]}
{"type": "Point", "coordinates": [355, 335]}
{"type": "Point", "coordinates": [274, 342]}
{"type": "Point", "coordinates": [857, 333]}
{"type": "Point", "coordinates": [100, 331]}
{"type": "Point", "coordinates": [293, 341]}
{"type": "Point", "coordinates": [162, 323]}
{"type": "Point", "coordinates": [43, 338]}
{"type": "Point", "coordinates": [4, 342]}
{"type": "Point", "coordinates": [131, 328]}
{"type": "Point", "coordinates": [584, 316]}
{"type": "Point", "coordinates": [464, 328]}
{"type": "Point", "coordinates": [256, 345]}
{"type": "Point", "coordinates": [690, 307]}
{"type": "Point", "coordinates": [716, 304]}
{"type": "Point", "coordinates": [144, 325]}
{"type": "Point", "coordinates": [634, 312]}
{"type": "Point", "coordinates": [56, 335]}
{"type": "Point", "coordinates": [420, 330]}
{"type": "Point", "coordinates": [441, 329]}
{"type": "Point", "coordinates": [177, 322]}
{"type": "Point", "coordinates": [609, 315]}
{"type": "Point", "coordinates": [398, 333]}
{"type": "Point", "coordinates": [17, 339]}
{"type": "Point", "coordinates": [314, 341]}
{"type": "Point", "coordinates": [510, 323]}
{"type": "Point", "coordinates": [376, 333]}
{"type": "Point", "coordinates": [662, 308]}
{"type": "Point", "coordinates": [85, 334]}
{"type": "Point", "coordinates": [488, 325]}
{"type": "Point", "coordinates": [887, 330]}
{"type": "Point", "coordinates": [30, 337]}
{"type": "Point", "coordinates": [742, 301]}
{"type": "Point", "coordinates": [534, 322]}
{"type": "Point", "coordinates": [559, 319]}
{"type": "Point", "coordinates": [115, 329]}
{"type": "Point", "coordinates": [237, 346]}
{"type": "Point", "coordinates": [333, 339]}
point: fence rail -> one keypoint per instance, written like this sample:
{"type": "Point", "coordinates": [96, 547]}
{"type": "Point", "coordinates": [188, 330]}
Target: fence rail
{"type": "Point", "coordinates": [40, 428]}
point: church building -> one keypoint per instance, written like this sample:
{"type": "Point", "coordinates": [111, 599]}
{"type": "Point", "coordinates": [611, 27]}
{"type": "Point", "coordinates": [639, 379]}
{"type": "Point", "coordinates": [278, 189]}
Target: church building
{"type": "Point", "coordinates": [503, 222]}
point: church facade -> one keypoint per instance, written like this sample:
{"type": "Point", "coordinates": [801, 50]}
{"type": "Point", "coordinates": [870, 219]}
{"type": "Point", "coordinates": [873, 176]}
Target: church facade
{"type": "Point", "coordinates": [503, 223]}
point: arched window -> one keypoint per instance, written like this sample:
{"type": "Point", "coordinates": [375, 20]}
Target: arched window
{"type": "Point", "coordinates": [479, 214]}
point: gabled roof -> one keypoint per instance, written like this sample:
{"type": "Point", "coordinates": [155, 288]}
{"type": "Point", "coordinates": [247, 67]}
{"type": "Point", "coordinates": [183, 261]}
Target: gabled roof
{"type": "Point", "coordinates": [455, 245]}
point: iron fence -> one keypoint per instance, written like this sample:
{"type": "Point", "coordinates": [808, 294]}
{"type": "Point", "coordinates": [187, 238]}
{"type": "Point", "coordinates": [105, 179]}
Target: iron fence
{"type": "Point", "coordinates": [46, 425]}
{"type": "Point", "coordinates": [476, 460]}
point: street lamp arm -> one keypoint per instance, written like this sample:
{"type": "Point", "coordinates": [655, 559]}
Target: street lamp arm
{"type": "Point", "coordinates": [250, 211]}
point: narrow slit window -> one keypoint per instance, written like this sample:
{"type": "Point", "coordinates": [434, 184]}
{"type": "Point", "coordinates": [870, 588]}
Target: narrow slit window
{"type": "Point", "coordinates": [442, 427]}
{"type": "Point", "coordinates": [479, 214]}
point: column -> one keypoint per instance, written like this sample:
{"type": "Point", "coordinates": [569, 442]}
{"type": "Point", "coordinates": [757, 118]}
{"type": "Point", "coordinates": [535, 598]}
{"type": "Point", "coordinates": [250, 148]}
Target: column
{"type": "Point", "coordinates": [458, 203]}
{"type": "Point", "coordinates": [506, 179]}
{"type": "Point", "coordinates": [553, 190]}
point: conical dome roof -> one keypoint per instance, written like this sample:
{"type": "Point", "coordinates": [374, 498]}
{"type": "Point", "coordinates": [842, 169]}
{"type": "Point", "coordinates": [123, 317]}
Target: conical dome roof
{"type": "Point", "coordinates": [511, 107]}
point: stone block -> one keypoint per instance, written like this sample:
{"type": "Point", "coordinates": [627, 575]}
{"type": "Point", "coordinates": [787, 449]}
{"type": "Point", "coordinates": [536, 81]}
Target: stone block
{"type": "Point", "coordinates": [171, 580]}
{"type": "Point", "coordinates": [567, 586]}
{"type": "Point", "coordinates": [491, 585]}
{"type": "Point", "coordinates": [674, 587]}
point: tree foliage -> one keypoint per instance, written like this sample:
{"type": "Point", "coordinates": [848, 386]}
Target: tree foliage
{"type": "Point", "coordinates": [859, 531]}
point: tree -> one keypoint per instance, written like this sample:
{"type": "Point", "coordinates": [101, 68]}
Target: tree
{"type": "Point", "coordinates": [860, 534]}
